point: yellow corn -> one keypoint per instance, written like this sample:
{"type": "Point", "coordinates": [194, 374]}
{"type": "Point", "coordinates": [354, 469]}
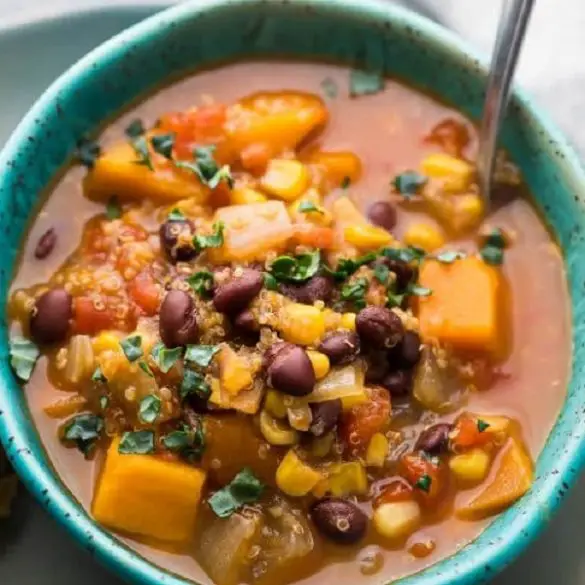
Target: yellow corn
{"type": "Point", "coordinates": [286, 179]}
{"type": "Point", "coordinates": [468, 211]}
{"type": "Point", "coordinates": [456, 173]}
{"type": "Point", "coordinates": [424, 236]}
{"type": "Point", "coordinates": [472, 466]}
{"type": "Point", "coordinates": [347, 478]}
{"type": "Point", "coordinates": [397, 519]}
{"type": "Point", "coordinates": [276, 431]}
{"type": "Point", "coordinates": [377, 451]}
{"type": "Point", "coordinates": [320, 363]}
{"type": "Point", "coordinates": [367, 237]}
{"type": "Point", "coordinates": [302, 324]}
{"type": "Point", "coordinates": [235, 373]}
{"type": "Point", "coordinates": [274, 404]}
{"type": "Point", "coordinates": [348, 321]}
{"type": "Point", "coordinates": [106, 340]}
{"type": "Point", "coordinates": [245, 195]}
{"type": "Point", "coordinates": [294, 477]}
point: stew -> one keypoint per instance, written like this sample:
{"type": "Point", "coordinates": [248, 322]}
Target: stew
{"type": "Point", "coordinates": [268, 332]}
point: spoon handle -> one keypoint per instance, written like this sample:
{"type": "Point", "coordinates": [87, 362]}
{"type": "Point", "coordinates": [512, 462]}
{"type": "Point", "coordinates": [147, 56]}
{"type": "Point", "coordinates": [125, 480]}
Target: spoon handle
{"type": "Point", "coordinates": [510, 34]}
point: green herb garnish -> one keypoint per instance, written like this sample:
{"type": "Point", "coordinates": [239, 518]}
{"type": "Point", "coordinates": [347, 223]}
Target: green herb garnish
{"type": "Point", "coordinates": [308, 206]}
{"type": "Point", "coordinates": [407, 255]}
{"type": "Point", "coordinates": [345, 182]}
{"type": "Point", "coordinates": [83, 430]}
{"type": "Point", "coordinates": [188, 442]}
{"type": "Point", "coordinates": [492, 251]}
{"type": "Point", "coordinates": [382, 273]}
{"type": "Point", "coordinates": [482, 425]}
{"type": "Point", "coordinates": [418, 291]}
{"type": "Point", "coordinates": [194, 383]}
{"type": "Point", "coordinates": [87, 152]}
{"type": "Point", "coordinates": [296, 268]}
{"type": "Point", "coordinates": [23, 356]}
{"type": "Point", "coordinates": [164, 357]}
{"type": "Point", "coordinates": [175, 215]}
{"type": "Point", "coordinates": [214, 240]}
{"type": "Point", "coordinates": [201, 282]}
{"type": "Point", "coordinates": [143, 365]}
{"type": "Point", "coordinates": [201, 354]}
{"type": "Point", "coordinates": [134, 129]}
{"type": "Point", "coordinates": [365, 82]}
{"type": "Point", "coordinates": [206, 167]}
{"type": "Point", "coordinates": [104, 401]}
{"type": "Point", "coordinates": [131, 346]}
{"type": "Point", "coordinates": [409, 183]}
{"type": "Point", "coordinates": [98, 376]}
{"type": "Point", "coordinates": [149, 408]}
{"type": "Point", "coordinates": [450, 256]}
{"type": "Point", "coordinates": [395, 299]}
{"type": "Point", "coordinates": [347, 266]}
{"type": "Point", "coordinates": [270, 282]}
{"type": "Point", "coordinates": [424, 483]}
{"type": "Point", "coordinates": [355, 292]}
{"type": "Point", "coordinates": [140, 147]}
{"type": "Point", "coordinates": [136, 443]}
{"type": "Point", "coordinates": [329, 88]}
{"type": "Point", "coordinates": [245, 488]}
{"type": "Point", "coordinates": [113, 208]}
{"type": "Point", "coordinates": [163, 144]}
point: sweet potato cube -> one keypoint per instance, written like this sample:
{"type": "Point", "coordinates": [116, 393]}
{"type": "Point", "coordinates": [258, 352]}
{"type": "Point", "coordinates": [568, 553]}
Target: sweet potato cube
{"type": "Point", "coordinates": [463, 309]}
{"type": "Point", "coordinates": [235, 373]}
{"type": "Point", "coordinates": [337, 167]}
{"type": "Point", "coordinates": [116, 172]}
{"type": "Point", "coordinates": [252, 231]}
{"type": "Point", "coordinates": [512, 480]}
{"type": "Point", "coordinates": [147, 496]}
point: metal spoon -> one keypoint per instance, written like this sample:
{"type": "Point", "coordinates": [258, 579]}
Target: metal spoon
{"type": "Point", "coordinates": [511, 29]}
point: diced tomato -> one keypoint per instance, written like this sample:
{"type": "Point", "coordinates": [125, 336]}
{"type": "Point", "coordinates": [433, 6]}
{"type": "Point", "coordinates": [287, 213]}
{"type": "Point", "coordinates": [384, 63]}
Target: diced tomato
{"type": "Point", "coordinates": [145, 293]}
{"type": "Point", "coordinates": [322, 238]}
{"type": "Point", "coordinates": [395, 490]}
{"type": "Point", "coordinates": [363, 421]}
{"type": "Point", "coordinates": [255, 157]}
{"type": "Point", "coordinates": [91, 316]}
{"type": "Point", "coordinates": [426, 475]}
{"type": "Point", "coordinates": [452, 136]}
{"type": "Point", "coordinates": [470, 431]}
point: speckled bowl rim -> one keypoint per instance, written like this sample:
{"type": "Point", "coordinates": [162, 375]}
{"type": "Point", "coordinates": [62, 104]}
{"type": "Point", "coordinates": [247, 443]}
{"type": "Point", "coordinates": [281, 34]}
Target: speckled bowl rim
{"type": "Point", "coordinates": [479, 561]}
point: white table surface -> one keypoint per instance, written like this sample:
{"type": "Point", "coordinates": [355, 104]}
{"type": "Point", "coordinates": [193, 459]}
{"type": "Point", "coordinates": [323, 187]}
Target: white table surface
{"type": "Point", "coordinates": [33, 549]}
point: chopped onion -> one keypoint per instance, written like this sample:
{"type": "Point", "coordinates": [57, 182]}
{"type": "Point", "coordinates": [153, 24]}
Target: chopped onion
{"type": "Point", "coordinates": [80, 360]}
{"type": "Point", "coordinates": [346, 383]}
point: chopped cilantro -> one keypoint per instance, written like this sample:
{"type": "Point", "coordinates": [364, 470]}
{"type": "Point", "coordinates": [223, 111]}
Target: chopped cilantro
{"type": "Point", "coordinates": [132, 347]}
{"type": "Point", "coordinates": [329, 88]}
{"type": "Point", "coordinates": [134, 129]}
{"type": "Point", "coordinates": [365, 82]}
{"type": "Point", "coordinates": [347, 266]}
{"type": "Point", "coordinates": [245, 488]}
{"type": "Point", "coordinates": [382, 273]}
{"type": "Point", "coordinates": [201, 354]}
{"type": "Point", "coordinates": [345, 182]}
{"type": "Point", "coordinates": [163, 144]}
{"type": "Point", "coordinates": [23, 356]}
{"type": "Point", "coordinates": [188, 442]}
{"type": "Point", "coordinates": [194, 383]}
{"type": "Point", "coordinates": [355, 292]}
{"type": "Point", "coordinates": [87, 152]}
{"type": "Point", "coordinates": [83, 430]}
{"type": "Point", "coordinates": [492, 251]}
{"type": "Point", "coordinates": [140, 147]}
{"type": "Point", "coordinates": [409, 183]}
{"type": "Point", "coordinates": [408, 254]}
{"type": "Point", "coordinates": [395, 299]}
{"type": "Point", "coordinates": [296, 268]}
{"type": "Point", "coordinates": [136, 443]}
{"type": "Point", "coordinates": [424, 483]}
{"type": "Point", "coordinates": [206, 167]}
{"type": "Point", "coordinates": [482, 425]}
{"type": "Point", "coordinates": [308, 206]}
{"type": "Point", "coordinates": [113, 208]}
{"type": "Point", "coordinates": [418, 291]}
{"type": "Point", "coordinates": [98, 376]}
{"type": "Point", "coordinates": [270, 282]}
{"type": "Point", "coordinates": [214, 240]}
{"type": "Point", "coordinates": [164, 357]}
{"type": "Point", "coordinates": [104, 401]}
{"type": "Point", "coordinates": [175, 215]}
{"type": "Point", "coordinates": [201, 282]}
{"type": "Point", "coordinates": [143, 365]}
{"type": "Point", "coordinates": [450, 256]}
{"type": "Point", "coordinates": [149, 408]}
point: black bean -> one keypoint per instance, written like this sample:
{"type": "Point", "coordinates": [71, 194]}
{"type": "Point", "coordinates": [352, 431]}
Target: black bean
{"type": "Point", "coordinates": [49, 321]}
{"type": "Point", "coordinates": [176, 239]}
{"type": "Point", "coordinates": [246, 322]}
{"type": "Point", "coordinates": [339, 520]}
{"type": "Point", "coordinates": [177, 320]}
{"type": "Point", "coordinates": [341, 347]}
{"type": "Point", "coordinates": [398, 383]}
{"type": "Point", "coordinates": [379, 327]}
{"type": "Point", "coordinates": [405, 273]}
{"type": "Point", "coordinates": [325, 416]}
{"type": "Point", "coordinates": [435, 439]}
{"type": "Point", "coordinates": [46, 244]}
{"type": "Point", "coordinates": [290, 370]}
{"type": "Point", "coordinates": [410, 349]}
{"type": "Point", "coordinates": [235, 295]}
{"type": "Point", "coordinates": [378, 367]}
{"type": "Point", "coordinates": [382, 214]}
{"type": "Point", "coordinates": [318, 288]}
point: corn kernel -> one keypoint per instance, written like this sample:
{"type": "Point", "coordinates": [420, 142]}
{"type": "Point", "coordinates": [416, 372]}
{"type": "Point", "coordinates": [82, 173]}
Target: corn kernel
{"type": "Point", "coordinates": [320, 363]}
{"type": "Point", "coordinates": [274, 404]}
{"type": "Point", "coordinates": [377, 451]}
{"type": "Point", "coordinates": [286, 179]}
{"type": "Point", "coordinates": [472, 466]}
{"type": "Point", "coordinates": [348, 321]}
{"type": "Point", "coordinates": [456, 173]}
{"type": "Point", "coordinates": [276, 431]}
{"type": "Point", "coordinates": [424, 236]}
{"type": "Point", "coordinates": [468, 211]}
{"type": "Point", "coordinates": [294, 477]}
{"type": "Point", "coordinates": [246, 195]}
{"type": "Point", "coordinates": [302, 324]}
{"type": "Point", "coordinates": [106, 341]}
{"type": "Point", "coordinates": [367, 237]}
{"type": "Point", "coordinates": [397, 519]}
{"type": "Point", "coordinates": [348, 478]}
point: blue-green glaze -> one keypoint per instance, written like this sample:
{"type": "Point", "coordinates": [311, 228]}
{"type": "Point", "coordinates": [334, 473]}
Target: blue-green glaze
{"type": "Point", "coordinates": [368, 32]}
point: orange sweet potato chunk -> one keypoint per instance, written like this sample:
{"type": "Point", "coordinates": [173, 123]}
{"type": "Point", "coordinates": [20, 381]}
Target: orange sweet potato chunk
{"type": "Point", "coordinates": [512, 480]}
{"type": "Point", "coordinates": [252, 231]}
{"type": "Point", "coordinates": [116, 172]}
{"type": "Point", "coordinates": [464, 307]}
{"type": "Point", "coordinates": [147, 496]}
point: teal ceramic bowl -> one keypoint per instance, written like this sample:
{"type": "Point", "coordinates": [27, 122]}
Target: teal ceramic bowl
{"type": "Point", "coordinates": [365, 32]}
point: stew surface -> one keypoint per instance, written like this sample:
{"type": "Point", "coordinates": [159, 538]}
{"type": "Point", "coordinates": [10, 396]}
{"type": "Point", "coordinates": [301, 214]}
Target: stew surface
{"type": "Point", "coordinates": [268, 334]}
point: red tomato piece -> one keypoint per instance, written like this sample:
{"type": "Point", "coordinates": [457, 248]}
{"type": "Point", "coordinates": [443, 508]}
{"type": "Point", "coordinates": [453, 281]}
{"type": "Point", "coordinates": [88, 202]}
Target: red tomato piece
{"type": "Point", "coordinates": [395, 490]}
{"type": "Point", "coordinates": [426, 475]}
{"type": "Point", "coordinates": [91, 315]}
{"type": "Point", "coordinates": [322, 238]}
{"type": "Point", "coordinates": [451, 135]}
{"type": "Point", "coordinates": [145, 293]}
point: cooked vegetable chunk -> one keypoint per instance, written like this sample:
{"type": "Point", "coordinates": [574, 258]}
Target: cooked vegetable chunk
{"type": "Point", "coordinates": [148, 496]}
{"type": "Point", "coordinates": [463, 309]}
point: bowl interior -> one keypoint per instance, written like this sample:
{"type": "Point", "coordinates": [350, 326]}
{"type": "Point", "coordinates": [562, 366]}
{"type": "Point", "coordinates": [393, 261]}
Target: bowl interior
{"type": "Point", "coordinates": [371, 34]}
